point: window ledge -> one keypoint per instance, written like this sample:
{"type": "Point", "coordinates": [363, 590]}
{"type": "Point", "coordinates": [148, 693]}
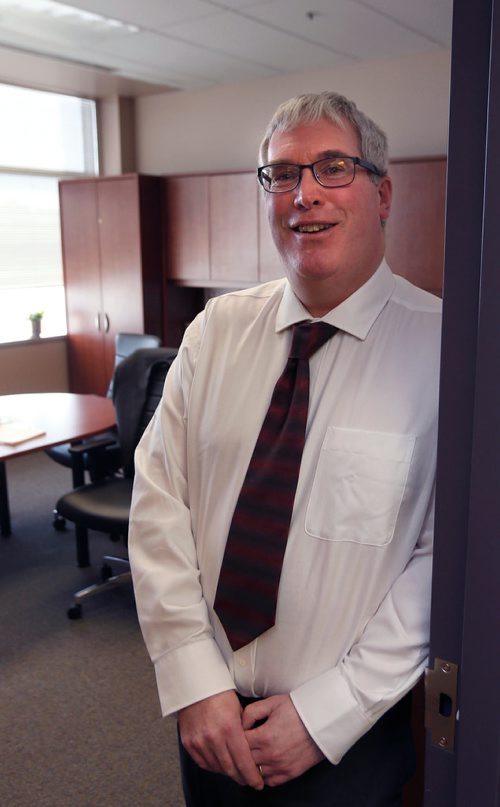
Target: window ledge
{"type": "Point", "coordinates": [29, 341]}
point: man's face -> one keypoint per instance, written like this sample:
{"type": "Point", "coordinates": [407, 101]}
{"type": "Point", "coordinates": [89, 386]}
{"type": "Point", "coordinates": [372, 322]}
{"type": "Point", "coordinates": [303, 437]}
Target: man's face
{"type": "Point", "coordinates": [326, 266]}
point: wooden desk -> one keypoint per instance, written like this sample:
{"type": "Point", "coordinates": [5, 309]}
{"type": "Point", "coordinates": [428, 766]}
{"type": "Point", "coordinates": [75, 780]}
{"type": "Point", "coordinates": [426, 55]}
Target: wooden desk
{"type": "Point", "coordinates": [64, 417]}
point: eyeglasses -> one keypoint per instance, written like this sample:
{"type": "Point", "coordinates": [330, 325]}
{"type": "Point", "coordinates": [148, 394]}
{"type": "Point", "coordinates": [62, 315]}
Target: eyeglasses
{"type": "Point", "coordinates": [331, 172]}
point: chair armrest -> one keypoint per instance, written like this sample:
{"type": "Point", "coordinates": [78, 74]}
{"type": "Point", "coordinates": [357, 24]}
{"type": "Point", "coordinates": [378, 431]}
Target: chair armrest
{"type": "Point", "coordinates": [92, 455]}
{"type": "Point", "coordinates": [90, 445]}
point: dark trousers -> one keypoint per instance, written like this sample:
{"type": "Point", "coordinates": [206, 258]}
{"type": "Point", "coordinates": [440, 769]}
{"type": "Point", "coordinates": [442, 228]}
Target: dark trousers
{"type": "Point", "coordinates": [371, 774]}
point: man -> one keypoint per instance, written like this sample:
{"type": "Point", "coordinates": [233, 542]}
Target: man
{"type": "Point", "coordinates": [312, 711]}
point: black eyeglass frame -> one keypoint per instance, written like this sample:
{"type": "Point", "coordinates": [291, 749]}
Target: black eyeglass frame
{"type": "Point", "coordinates": [370, 167]}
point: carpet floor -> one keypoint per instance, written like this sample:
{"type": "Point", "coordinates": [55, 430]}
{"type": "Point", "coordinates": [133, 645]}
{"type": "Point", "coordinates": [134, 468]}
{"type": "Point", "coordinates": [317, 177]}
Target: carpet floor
{"type": "Point", "coordinates": [80, 724]}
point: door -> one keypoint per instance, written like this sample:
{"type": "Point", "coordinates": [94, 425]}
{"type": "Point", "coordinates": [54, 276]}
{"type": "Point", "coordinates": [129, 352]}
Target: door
{"type": "Point", "coordinates": [82, 280]}
{"type": "Point", "coordinates": [465, 627]}
{"type": "Point", "coordinates": [118, 206]}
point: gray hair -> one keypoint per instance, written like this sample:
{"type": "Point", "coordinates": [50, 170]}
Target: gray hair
{"type": "Point", "coordinates": [311, 107]}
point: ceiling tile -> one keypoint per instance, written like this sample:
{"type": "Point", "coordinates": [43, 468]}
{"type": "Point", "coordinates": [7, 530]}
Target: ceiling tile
{"type": "Point", "coordinates": [165, 53]}
{"type": "Point", "coordinates": [432, 18]}
{"type": "Point", "coordinates": [68, 28]}
{"type": "Point", "coordinates": [349, 27]}
{"type": "Point", "coordinates": [245, 38]}
{"type": "Point", "coordinates": [192, 43]}
{"type": "Point", "coordinates": [148, 13]}
{"type": "Point", "coordinates": [238, 4]}
{"type": "Point", "coordinates": [60, 49]}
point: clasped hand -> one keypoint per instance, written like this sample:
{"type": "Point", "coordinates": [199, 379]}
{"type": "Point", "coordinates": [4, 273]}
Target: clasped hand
{"type": "Point", "coordinates": [224, 738]}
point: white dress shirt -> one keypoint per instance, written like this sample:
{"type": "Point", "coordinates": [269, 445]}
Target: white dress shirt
{"type": "Point", "coordinates": [352, 620]}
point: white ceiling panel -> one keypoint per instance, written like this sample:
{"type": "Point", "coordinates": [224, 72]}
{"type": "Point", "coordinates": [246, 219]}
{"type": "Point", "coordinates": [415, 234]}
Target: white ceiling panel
{"type": "Point", "coordinates": [429, 17]}
{"type": "Point", "coordinates": [65, 50]}
{"type": "Point", "coordinates": [195, 43]}
{"type": "Point", "coordinates": [345, 26]}
{"type": "Point", "coordinates": [251, 39]}
{"type": "Point", "coordinates": [164, 53]}
{"type": "Point", "coordinates": [66, 28]}
{"type": "Point", "coordinates": [150, 13]}
{"type": "Point", "coordinates": [239, 4]}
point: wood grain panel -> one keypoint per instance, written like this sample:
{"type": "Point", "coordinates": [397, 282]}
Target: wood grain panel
{"type": "Point", "coordinates": [415, 230]}
{"type": "Point", "coordinates": [186, 228]}
{"type": "Point", "coordinates": [233, 229]}
{"type": "Point", "coordinates": [121, 264]}
{"type": "Point", "coordinates": [81, 260]}
{"type": "Point", "coordinates": [113, 264]}
{"type": "Point", "coordinates": [270, 265]}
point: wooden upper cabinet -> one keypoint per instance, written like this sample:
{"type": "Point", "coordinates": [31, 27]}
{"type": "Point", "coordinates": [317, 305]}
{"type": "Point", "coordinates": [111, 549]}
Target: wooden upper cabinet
{"type": "Point", "coordinates": [270, 264]}
{"type": "Point", "coordinates": [233, 229]}
{"type": "Point", "coordinates": [187, 228]}
{"type": "Point", "coordinates": [415, 229]}
{"type": "Point", "coordinates": [211, 230]}
{"type": "Point", "coordinates": [218, 233]}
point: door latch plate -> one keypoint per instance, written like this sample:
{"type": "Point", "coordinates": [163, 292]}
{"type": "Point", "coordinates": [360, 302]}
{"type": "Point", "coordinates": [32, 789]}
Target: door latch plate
{"type": "Point", "coordinates": [441, 711]}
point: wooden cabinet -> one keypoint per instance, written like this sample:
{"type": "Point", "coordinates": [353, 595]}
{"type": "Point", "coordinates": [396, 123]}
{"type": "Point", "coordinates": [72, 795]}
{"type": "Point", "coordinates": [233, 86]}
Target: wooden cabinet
{"type": "Point", "coordinates": [270, 264]}
{"type": "Point", "coordinates": [218, 234]}
{"type": "Point", "coordinates": [233, 229]}
{"type": "Point", "coordinates": [187, 229]}
{"type": "Point", "coordinates": [112, 255]}
{"type": "Point", "coordinates": [211, 226]}
{"type": "Point", "coordinates": [415, 229]}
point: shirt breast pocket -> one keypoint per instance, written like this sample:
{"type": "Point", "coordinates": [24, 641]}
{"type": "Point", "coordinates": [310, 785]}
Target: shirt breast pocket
{"type": "Point", "coordinates": [358, 486]}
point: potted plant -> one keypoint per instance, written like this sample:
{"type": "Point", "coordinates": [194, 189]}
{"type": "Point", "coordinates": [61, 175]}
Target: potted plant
{"type": "Point", "coordinates": [36, 324]}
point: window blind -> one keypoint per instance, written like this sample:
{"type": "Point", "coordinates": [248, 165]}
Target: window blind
{"type": "Point", "coordinates": [30, 241]}
{"type": "Point", "coordinates": [43, 137]}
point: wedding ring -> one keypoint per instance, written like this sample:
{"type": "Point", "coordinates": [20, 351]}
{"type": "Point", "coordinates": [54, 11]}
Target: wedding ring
{"type": "Point", "coordinates": [260, 770]}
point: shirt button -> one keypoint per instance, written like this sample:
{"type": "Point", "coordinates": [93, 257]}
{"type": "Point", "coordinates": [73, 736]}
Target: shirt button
{"type": "Point", "coordinates": [242, 662]}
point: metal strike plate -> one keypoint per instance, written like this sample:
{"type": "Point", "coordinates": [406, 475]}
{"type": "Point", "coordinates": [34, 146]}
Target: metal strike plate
{"type": "Point", "coordinates": [441, 710]}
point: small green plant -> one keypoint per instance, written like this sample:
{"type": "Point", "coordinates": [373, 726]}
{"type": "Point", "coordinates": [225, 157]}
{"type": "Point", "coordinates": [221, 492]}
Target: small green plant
{"type": "Point", "coordinates": [36, 315]}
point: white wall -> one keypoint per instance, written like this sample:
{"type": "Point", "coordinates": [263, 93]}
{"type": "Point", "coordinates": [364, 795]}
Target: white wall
{"type": "Point", "coordinates": [220, 128]}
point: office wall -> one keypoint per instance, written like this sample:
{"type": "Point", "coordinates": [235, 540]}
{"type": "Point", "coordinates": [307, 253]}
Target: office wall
{"type": "Point", "coordinates": [116, 135]}
{"type": "Point", "coordinates": [220, 128]}
{"type": "Point", "coordinates": [34, 366]}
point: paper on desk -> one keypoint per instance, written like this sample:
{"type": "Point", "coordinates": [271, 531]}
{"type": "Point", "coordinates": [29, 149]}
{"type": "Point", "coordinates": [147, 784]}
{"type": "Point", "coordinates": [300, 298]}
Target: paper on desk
{"type": "Point", "coordinates": [14, 432]}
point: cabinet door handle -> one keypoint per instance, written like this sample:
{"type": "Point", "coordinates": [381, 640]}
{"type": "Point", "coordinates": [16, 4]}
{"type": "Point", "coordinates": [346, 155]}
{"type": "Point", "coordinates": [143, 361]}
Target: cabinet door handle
{"type": "Point", "coordinates": [106, 323]}
{"type": "Point", "coordinates": [97, 321]}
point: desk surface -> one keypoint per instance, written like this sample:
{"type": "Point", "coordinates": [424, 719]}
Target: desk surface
{"type": "Point", "coordinates": [64, 417]}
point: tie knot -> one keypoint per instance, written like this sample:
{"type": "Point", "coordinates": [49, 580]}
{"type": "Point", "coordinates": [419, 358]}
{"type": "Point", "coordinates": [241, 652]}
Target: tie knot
{"type": "Point", "coordinates": [308, 337]}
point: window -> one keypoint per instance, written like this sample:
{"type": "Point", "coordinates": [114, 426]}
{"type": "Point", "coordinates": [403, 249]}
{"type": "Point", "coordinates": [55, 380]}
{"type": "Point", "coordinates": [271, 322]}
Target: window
{"type": "Point", "coordinates": [43, 138]}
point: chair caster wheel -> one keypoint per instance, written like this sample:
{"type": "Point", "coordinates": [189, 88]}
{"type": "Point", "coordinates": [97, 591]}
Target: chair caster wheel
{"type": "Point", "coordinates": [59, 522]}
{"type": "Point", "coordinates": [75, 611]}
{"type": "Point", "coordinates": [106, 572]}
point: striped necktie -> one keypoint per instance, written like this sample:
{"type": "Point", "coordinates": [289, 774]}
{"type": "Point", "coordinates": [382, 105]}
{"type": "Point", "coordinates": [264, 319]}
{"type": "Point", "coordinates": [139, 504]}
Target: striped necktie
{"type": "Point", "coordinates": [248, 584]}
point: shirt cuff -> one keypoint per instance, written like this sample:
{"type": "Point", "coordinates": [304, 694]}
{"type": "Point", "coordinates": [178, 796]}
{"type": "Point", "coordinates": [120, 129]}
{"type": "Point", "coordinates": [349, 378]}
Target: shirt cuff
{"type": "Point", "coordinates": [178, 675]}
{"type": "Point", "coordinates": [330, 713]}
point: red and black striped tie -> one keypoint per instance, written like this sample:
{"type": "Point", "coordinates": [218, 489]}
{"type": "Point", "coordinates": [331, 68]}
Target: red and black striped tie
{"type": "Point", "coordinates": [248, 584]}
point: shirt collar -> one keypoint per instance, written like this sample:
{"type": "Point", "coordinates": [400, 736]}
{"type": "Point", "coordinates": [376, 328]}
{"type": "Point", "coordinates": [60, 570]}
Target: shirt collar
{"type": "Point", "coordinates": [355, 315]}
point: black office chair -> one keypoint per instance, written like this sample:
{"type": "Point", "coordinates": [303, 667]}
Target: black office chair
{"type": "Point", "coordinates": [104, 505]}
{"type": "Point", "coordinates": [110, 459]}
